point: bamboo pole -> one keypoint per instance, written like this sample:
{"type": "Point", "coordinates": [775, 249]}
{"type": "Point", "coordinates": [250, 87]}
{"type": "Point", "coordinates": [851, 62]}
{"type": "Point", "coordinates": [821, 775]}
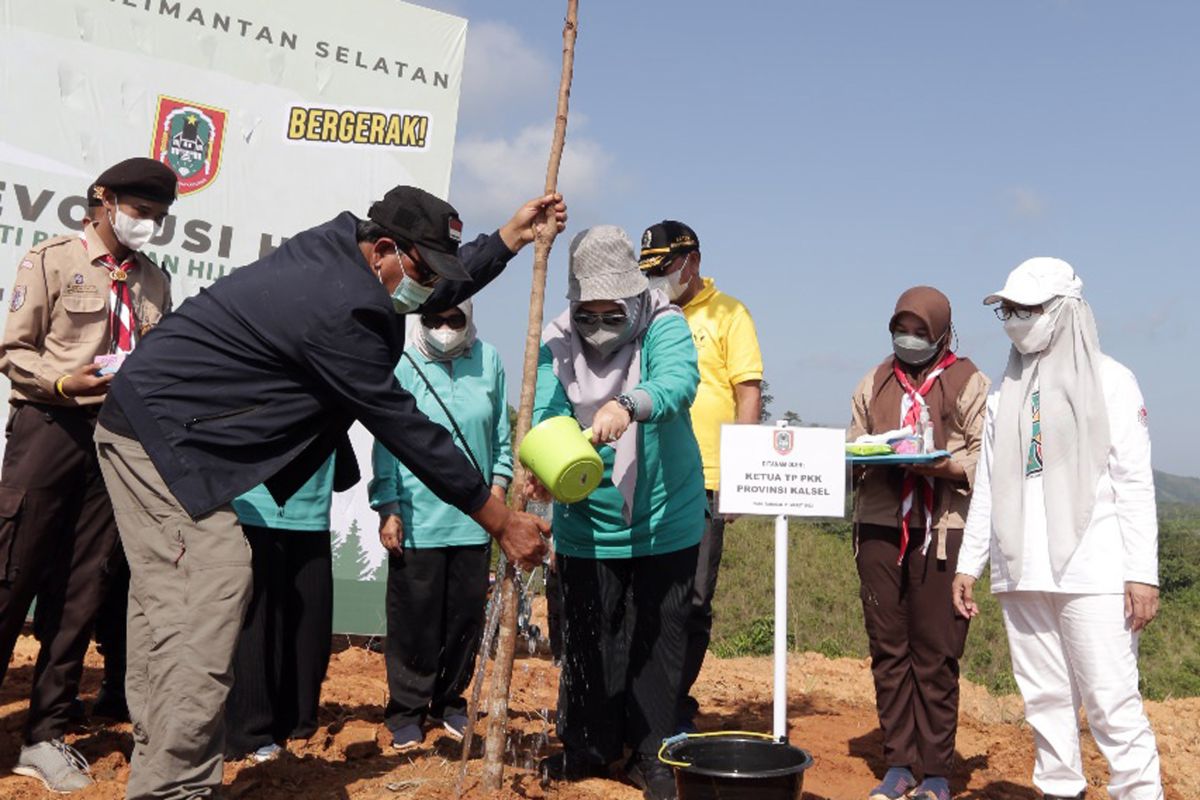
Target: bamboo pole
{"type": "Point", "coordinates": [497, 730]}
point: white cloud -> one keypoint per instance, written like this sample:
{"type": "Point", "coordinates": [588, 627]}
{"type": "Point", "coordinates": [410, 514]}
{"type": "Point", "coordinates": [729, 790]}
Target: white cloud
{"type": "Point", "coordinates": [492, 174]}
{"type": "Point", "coordinates": [503, 76]}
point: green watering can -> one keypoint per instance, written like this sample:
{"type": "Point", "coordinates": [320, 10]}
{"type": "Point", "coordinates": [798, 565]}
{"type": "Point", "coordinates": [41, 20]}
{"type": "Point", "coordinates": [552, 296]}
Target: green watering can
{"type": "Point", "coordinates": [563, 458]}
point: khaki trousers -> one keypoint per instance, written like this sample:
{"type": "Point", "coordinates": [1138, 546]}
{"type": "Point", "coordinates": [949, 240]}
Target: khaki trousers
{"type": "Point", "coordinates": [189, 586]}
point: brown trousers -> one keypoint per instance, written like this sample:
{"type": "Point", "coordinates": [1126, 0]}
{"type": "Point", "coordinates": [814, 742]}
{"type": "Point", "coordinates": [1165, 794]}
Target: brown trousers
{"type": "Point", "coordinates": [916, 641]}
{"type": "Point", "coordinates": [56, 537]}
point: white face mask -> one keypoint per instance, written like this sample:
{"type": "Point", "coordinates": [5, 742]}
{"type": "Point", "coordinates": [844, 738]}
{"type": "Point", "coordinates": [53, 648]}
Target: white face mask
{"type": "Point", "coordinates": [130, 231]}
{"type": "Point", "coordinates": [1031, 335]}
{"type": "Point", "coordinates": [445, 339]}
{"type": "Point", "coordinates": [673, 284]}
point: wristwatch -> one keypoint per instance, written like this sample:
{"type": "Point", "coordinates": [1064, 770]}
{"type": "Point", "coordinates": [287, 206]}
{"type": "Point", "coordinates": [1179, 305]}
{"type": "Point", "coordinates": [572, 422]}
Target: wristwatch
{"type": "Point", "coordinates": [627, 402]}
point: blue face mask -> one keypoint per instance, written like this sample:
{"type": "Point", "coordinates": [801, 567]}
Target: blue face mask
{"type": "Point", "coordinates": [409, 295]}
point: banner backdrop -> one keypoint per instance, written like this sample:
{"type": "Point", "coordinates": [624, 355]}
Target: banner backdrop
{"type": "Point", "coordinates": [275, 115]}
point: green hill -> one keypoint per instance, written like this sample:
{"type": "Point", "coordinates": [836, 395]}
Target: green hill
{"type": "Point", "coordinates": [825, 613]}
{"type": "Point", "coordinates": [1176, 489]}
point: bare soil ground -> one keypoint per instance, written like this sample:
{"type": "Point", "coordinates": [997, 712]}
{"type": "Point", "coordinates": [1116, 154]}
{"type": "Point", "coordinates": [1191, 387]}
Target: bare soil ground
{"type": "Point", "coordinates": [831, 714]}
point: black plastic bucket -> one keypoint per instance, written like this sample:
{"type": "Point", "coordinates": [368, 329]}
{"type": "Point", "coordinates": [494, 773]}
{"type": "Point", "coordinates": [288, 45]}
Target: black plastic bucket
{"type": "Point", "coordinates": [735, 766]}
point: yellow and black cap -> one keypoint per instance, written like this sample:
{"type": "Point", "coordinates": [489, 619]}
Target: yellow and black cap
{"type": "Point", "coordinates": [663, 241]}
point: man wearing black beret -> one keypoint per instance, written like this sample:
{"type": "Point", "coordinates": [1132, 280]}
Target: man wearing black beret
{"type": "Point", "coordinates": [257, 380]}
{"type": "Point", "coordinates": [80, 303]}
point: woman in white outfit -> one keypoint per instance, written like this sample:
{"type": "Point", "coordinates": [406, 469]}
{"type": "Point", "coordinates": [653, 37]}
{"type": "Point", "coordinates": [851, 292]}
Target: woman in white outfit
{"type": "Point", "coordinates": [1064, 508]}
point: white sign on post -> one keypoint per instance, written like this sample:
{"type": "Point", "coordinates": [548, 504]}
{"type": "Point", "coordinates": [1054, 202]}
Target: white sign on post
{"type": "Point", "coordinates": [772, 470]}
{"type": "Point", "coordinates": [777, 470]}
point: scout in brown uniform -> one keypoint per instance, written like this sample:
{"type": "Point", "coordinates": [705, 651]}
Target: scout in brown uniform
{"type": "Point", "coordinates": [76, 297]}
{"type": "Point", "coordinates": [908, 526]}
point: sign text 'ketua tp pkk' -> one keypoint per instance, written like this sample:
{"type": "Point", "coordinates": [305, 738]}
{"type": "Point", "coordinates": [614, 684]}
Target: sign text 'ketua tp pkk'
{"type": "Point", "coordinates": [775, 471]}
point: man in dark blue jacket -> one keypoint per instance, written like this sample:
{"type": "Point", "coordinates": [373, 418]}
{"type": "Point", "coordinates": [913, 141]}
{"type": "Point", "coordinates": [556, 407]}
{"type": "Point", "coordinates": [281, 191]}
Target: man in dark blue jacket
{"type": "Point", "coordinates": [257, 379]}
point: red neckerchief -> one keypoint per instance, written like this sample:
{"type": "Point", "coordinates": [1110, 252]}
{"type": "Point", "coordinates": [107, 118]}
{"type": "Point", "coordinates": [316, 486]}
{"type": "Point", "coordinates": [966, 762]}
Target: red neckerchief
{"type": "Point", "coordinates": [122, 323]}
{"type": "Point", "coordinates": [917, 395]}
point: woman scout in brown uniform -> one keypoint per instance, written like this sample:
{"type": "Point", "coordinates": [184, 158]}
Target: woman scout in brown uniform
{"type": "Point", "coordinates": [908, 526]}
{"type": "Point", "coordinates": [76, 297]}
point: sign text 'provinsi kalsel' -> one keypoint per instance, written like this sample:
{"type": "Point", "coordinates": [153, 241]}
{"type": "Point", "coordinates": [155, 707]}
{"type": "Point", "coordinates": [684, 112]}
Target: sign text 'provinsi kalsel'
{"type": "Point", "coordinates": [775, 471]}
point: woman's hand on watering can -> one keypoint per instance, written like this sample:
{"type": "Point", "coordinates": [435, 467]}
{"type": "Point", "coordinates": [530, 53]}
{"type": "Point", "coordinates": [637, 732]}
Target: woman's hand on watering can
{"type": "Point", "coordinates": [610, 423]}
{"type": "Point", "coordinates": [536, 490]}
{"type": "Point", "coordinates": [391, 532]}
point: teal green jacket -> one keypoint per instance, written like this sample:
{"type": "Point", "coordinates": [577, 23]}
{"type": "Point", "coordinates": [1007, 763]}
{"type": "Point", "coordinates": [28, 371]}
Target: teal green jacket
{"type": "Point", "coordinates": [473, 388]}
{"type": "Point", "coordinates": [668, 504]}
{"type": "Point", "coordinates": [306, 510]}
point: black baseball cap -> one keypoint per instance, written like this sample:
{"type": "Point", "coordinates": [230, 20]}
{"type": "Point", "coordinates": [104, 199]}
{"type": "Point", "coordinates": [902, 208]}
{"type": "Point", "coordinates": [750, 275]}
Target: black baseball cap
{"type": "Point", "coordinates": [665, 240]}
{"type": "Point", "coordinates": [430, 223]}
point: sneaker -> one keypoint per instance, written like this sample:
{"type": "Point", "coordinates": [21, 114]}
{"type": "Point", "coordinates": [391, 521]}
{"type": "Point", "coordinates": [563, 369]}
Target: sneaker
{"type": "Point", "coordinates": [653, 777]}
{"type": "Point", "coordinates": [569, 766]}
{"type": "Point", "coordinates": [932, 788]}
{"type": "Point", "coordinates": [110, 704]}
{"type": "Point", "coordinates": [268, 752]}
{"type": "Point", "coordinates": [897, 783]}
{"type": "Point", "coordinates": [56, 764]}
{"type": "Point", "coordinates": [407, 737]}
{"type": "Point", "coordinates": [455, 725]}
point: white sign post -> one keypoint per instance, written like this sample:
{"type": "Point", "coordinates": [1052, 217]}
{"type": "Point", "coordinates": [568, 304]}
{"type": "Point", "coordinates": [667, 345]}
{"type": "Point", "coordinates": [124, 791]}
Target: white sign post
{"type": "Point", "coordinates": [781, 471]}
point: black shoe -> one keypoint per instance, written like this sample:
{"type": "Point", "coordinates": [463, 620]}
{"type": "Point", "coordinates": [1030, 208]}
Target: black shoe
{"type": "Point", "coordinates": [76, 712]}
{"type": "Point", "coordinates": [654, 778]}
{"type": "Point", "coordinates": [110, 704]}
{"type": "Point", "coordinates": [569, 766]}
{"type": "Point", "coordinates": [1079, 796]}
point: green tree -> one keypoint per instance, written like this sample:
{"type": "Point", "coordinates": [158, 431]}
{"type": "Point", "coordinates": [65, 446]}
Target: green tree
{"type": "Point", "coordinates": [350, 559]}
{"type": "Point", "coordinates": [792, 418]}
{"type": "Point", "coordinates": [767, 399]}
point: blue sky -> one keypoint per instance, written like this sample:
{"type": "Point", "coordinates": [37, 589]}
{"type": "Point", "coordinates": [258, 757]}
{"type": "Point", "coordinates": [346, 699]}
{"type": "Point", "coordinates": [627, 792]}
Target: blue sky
{"type": "Point", "coordinates": [832, 154]}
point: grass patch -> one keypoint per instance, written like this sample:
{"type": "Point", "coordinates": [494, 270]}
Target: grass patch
{"type": "Point", "coordinates": [825, 614]}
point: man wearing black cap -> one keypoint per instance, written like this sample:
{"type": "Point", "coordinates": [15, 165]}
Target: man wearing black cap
{"type": "Point", "coordinates": [730, 391]}
{"type": "Point", "coordinates": [76, 298]}
{"type": "Point", "coordinates": [257, 380]}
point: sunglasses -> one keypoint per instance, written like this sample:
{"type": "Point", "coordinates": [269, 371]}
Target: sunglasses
{"type": "Point", "coordinates": [425, 276]}
{"type": "Point", "coordinates": [1005, 313]}
{"type": "Point", "coordinates": [455, 322]}
{"type": "Point", "coordinates": [665, 267]}
{"type": "Point", "coordinates": [609, 318]}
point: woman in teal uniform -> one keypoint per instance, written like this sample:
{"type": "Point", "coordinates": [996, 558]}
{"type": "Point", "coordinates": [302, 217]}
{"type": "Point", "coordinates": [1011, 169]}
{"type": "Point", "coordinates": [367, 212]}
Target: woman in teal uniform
{"type": "Point", "coordinates": [621, 361]}
{"type": "Point", "coordinates": [437, 556]}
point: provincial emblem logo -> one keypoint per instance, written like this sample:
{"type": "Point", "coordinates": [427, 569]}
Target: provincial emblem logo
{"type": "Point", "coordinates": [783, 442]}
{"type": "Point", "coordinates": [188, 138]}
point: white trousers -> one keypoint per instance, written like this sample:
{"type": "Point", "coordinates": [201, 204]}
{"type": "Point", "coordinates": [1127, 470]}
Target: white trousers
{"type": "Point", "coordinates": [1073, 649]}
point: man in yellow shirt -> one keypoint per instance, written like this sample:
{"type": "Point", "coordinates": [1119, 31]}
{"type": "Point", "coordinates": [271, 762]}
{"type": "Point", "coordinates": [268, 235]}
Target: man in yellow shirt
{"type": "Point", "coordinates": [730, 391]}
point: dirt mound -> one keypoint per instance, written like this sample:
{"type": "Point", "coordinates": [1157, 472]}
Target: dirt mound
{"type": "Point", "coordinates": [831, 714]}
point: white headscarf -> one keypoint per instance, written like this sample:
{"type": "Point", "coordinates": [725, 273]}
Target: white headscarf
{"type": "Point", "coordinates": [1074, 427]}
{"type": "Point", "coordinates": [420, 337]}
